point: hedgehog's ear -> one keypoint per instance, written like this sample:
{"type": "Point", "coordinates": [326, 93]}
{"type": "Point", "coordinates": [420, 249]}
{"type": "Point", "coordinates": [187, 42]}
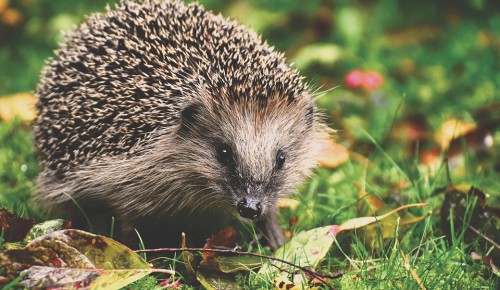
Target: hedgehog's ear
{"type": "Point", "coordinates": [189, 116]}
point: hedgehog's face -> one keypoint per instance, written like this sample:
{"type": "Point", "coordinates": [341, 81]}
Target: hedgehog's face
{"type": "Point", "coordinates": [251, 155]}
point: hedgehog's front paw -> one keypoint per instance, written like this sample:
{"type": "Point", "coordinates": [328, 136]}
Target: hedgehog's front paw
{"type": "Point", "coordinates": [272, 231]}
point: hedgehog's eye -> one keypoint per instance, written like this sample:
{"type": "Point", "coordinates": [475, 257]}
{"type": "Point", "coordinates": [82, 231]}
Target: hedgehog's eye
{"type": "Point", "coordinates": [225, 154]}
{"type": "Point", "coordinates": [280, 159]}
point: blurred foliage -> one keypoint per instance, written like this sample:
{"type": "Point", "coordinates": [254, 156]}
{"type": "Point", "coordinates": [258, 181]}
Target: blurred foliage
{"type": "Point", "coordinates": [439, 58]}
{"type": "Point", "coordinates": [439, 61]}
{"type": "Point", "coordinates": [18, 167]}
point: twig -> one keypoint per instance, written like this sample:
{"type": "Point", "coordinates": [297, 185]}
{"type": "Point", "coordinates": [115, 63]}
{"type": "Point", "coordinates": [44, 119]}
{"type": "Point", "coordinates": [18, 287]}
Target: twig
{"type": "Point", "coordinates": [320, 277]}
{"type": "Point", "coordinates": [484, 237]}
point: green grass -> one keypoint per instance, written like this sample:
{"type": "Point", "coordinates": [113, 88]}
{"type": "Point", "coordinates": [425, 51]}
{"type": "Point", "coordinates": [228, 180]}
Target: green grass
{"type": "Point", "coordinates": [18, 167]}
{"type": "Point", "coordinates": [439, 61]}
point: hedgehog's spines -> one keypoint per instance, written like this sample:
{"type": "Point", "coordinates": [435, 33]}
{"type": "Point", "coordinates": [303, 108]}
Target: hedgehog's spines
{"type": "Point", "coordinates": [135, 53]}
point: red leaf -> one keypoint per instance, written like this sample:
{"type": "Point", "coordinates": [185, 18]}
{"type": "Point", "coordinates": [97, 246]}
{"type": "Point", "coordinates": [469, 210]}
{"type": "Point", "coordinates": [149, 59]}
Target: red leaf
{"type": "Point", "coordinates": [224, 238]}
{"type": "Point", "coordinates": [15, 228]}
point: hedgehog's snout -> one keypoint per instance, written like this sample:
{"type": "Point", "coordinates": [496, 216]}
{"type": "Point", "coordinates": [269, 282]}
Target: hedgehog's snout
{"type": "Point", "coordinates": [249, 208]}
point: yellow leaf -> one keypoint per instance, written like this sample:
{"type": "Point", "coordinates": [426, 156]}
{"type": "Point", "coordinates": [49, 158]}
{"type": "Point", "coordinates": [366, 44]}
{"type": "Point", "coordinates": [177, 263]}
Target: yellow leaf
{"type": "Point", "coordinates": [372, 201]}
{"type": "Point", "coordinates": [357, 223]}
{"type": "Point", "coordinates": [11, 17]}
{"type": "Point", "coordinates": [288, 203]}
{"type": "Point", "coordinates": [452, 129]}
{"type": "Point", "coordinates": [281, 282]}
{"type": "Point", "coordinates": [42, 277]}
{"type": "Point", "coordinates": [3, 5]}
{"type": "Point", "coordinates": [20, 105]}
{"type": "Point", "coordinates": [333, 155]}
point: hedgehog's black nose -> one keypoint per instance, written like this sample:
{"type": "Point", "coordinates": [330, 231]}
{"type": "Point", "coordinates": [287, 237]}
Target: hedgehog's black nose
{"type": "Point", "coordinates": [249, 208]}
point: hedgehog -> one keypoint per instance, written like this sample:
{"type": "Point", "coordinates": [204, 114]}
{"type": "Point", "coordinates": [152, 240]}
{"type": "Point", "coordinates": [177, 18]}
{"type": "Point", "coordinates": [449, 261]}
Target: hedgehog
{"type": "Point", "coordinates": [170, 118]}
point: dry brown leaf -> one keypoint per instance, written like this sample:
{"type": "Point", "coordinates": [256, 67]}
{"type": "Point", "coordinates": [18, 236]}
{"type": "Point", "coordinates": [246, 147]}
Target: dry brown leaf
{"type": "Point", "coordinates": [372, 201]}
{"type": "Point", "coordinates": [224, 238]}
{"type": "Point", "coordinates": [476, 139]}
{"type": "Point", "coordinates": [11, 17]}
{"type": "Point", "coordinates": [452, 129]}
{"type": "Point", "coordinates": [410, 131]}
{"type": "Point", "coordinates": [333, 155]}
{"type": "Point", "coordinates": [20, 105]}
{"type": "Point", "coordinates": [431, 156]}
{"type": "Point", "coordinates": [13, 227]}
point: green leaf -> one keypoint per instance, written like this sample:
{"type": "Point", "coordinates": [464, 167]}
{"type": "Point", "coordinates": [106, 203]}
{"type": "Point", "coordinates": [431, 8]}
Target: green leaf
{"type": "Point", "coordinates": [44, 228]}
{"type": "Point", "coordinates": [325, 54]}
{"type": "Point", "coordinates": [305, 249]}
{"type": "Point", "coordinates": [350, 25]}
{"type": "Point", "coordinates": [231, 264]}
{"type": "Point", "coordinates": [211, 281]}
{"type": "Point", "coordinates": [205, 271]}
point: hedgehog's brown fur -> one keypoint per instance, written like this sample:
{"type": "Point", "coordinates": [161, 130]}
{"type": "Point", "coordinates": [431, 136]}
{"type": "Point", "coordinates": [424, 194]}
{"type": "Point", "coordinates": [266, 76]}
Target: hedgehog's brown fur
{"type": "Point", "coordinates": [134, 105]}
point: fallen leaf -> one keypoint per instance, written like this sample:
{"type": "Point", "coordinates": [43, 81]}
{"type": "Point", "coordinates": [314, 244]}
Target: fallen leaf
{"type": "Point", "coordinates": [333, 155]}
{"type": "Point", "coordinates": [208, 279]}
{"type": "Point", "coordinates": [371, 205]}
{"type": "Point", "coordinates": [45, 228]}
{"type": "Point", "coordinates": [357, 223]}
{"type": "Point", "coordinates": [308, 248]}
{"type": "Point", "coordinates": [190, 263]}
{"type": "Point", "coordinates": [11, 17]}
{"type": "Point", "coordinates": [479, 138]}
{"type": "Point", "coordinates": [371, 201]}
{"type": "Point", "coordinates": [476, 139]}
{"type": "Point", "coordinates": [73, 254]}
{"type": "Point", "coordinates": [414, 131]}
{"type": "Point", "coordinates": [14, 228]}
{"type": "Point", "coordinates": [225, 238]}
{"type": "Point", "coordinates": [281, 282]}
{"type": "Point", "coordinates": [3, 5]}
{"type": "Point", "coordinates": [487, 260]}
{"type": "Point", "coordinates": [40, 277]}
{"type": "Point", "coordinates": [212, 281]}
{"type": "Point", "coordinates": [451, 130]}
{"type": "Point", "coordinates": [464, 212]}
{"type": "Point", "coordinates": [431, 156]}
{"type": "Point", "coordinates": [305, 249]}
{"type": "Point", "coordinates": [231, 264]}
